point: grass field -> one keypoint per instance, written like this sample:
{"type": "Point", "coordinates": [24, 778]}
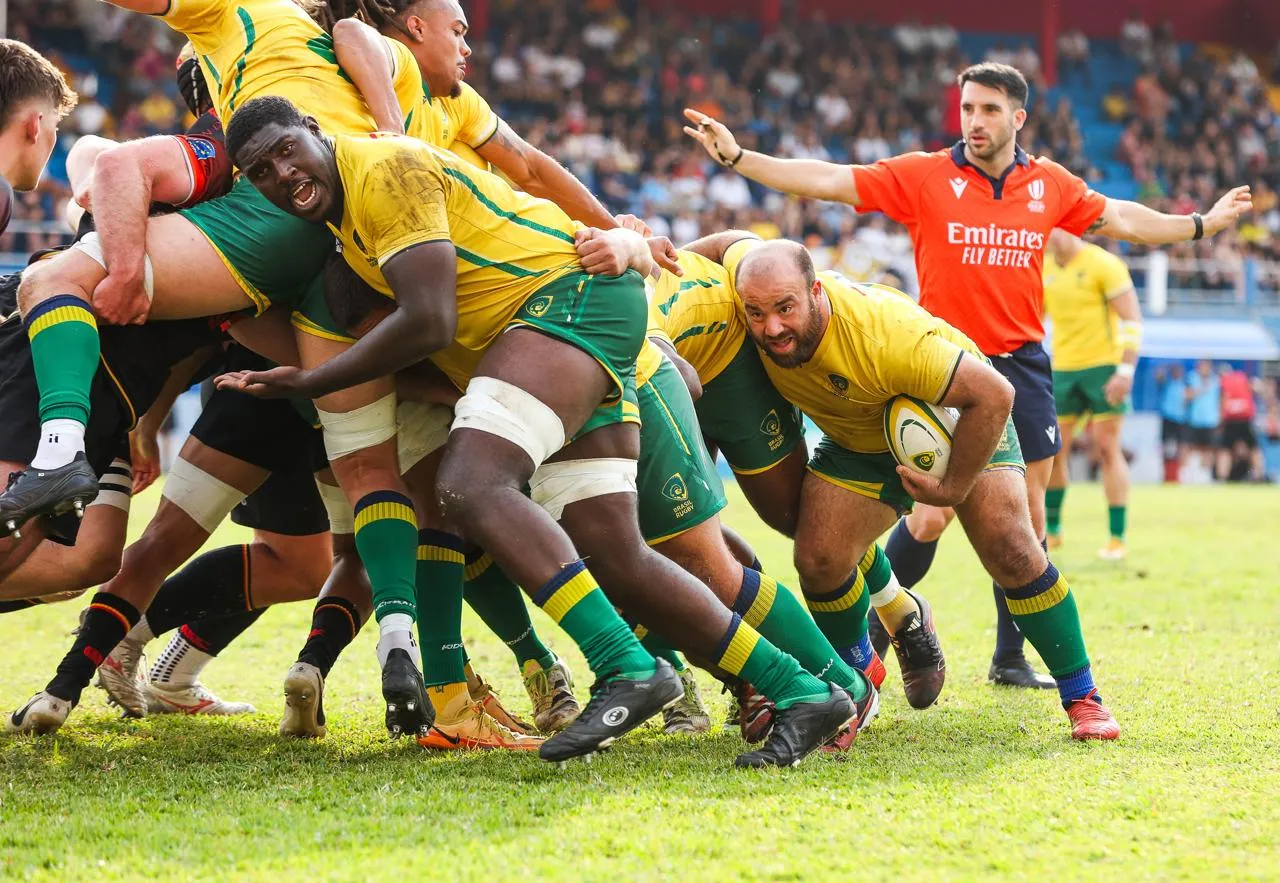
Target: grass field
{"type": "Point", "coordinates": [1184, 641]}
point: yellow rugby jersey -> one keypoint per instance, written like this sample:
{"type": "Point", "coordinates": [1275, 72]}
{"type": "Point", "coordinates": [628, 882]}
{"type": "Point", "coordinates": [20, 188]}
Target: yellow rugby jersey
{"type": "Point", "coordinates": [401, 192]}
{"type": "Point", "coordinates": [1077, 297]}
{"type": "Point", "coordinates": [699, 313]}
{"type": "Point", "coordinates": [271, 47]}
{"type": "Point", "coordinates": [878, 344]}
{"type": "Point", "coordinates": [460, 125]}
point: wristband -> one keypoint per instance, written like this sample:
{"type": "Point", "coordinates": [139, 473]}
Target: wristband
{"type": "Point", "coordinates": [1199, 221]}
{"type": "Point", "coordinates": [1124, 369]}
{"type": "Point", "coordinates": [733, 162]}
{"type": "Point", "coordinates": [1130, 334]}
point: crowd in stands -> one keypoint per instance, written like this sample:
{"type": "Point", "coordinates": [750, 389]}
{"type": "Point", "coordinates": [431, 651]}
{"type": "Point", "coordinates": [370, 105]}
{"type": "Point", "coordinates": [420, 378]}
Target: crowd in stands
{"type": "Point", "coordinates": [600, 85]}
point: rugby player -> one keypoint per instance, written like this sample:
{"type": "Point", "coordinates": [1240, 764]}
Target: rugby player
{"type": "Point", "coordinates": [34, 97]}
{"type": "Point", "coordinates": [1097, 333]}
{"type": "Point", "coordinates": [740, 410]}
{"type": "Point", "coordinates": [247, 254]}
{"type": "Point", "coordinates": [841, 352]}
{"type": "Point", "coordinates": [979, 215]}
{"type": "Point", "coordinates": [494, 278]}
{"type": "Point", "coordinates": [679, 497]}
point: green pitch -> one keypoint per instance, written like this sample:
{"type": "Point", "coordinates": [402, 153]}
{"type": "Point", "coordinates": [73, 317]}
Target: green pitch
{"type": "Point", "coordinates": [986, 784]}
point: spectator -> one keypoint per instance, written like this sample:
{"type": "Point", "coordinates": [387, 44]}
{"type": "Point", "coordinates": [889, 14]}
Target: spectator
{"type": "Point", "coordinates": [1073, 57]}
{"type": "Point", "coordinates": [1239, 456]}
{"type": "Point", "coordinates": [1115, 105]}
{"type": "Point", "coordinates": [1204, 411]}
{"type": "Point", "coordinates": [1135, 36]}
{"type": "Point", "coordinates": [1173, 418]}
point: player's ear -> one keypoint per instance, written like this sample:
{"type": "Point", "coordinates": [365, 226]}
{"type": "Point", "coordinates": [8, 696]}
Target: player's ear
{"type": "Point", "coordinates": [313, 126]}
{"type": "Point", "coordinates": [31, 124]}
{"type": "Point", "coordinates": [1019, 119]}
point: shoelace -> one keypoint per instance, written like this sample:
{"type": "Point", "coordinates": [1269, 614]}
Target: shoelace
{"type": "Point", "coordinates": [598, 692]}
{"type": "Point", "coordinates": [1089, 710]}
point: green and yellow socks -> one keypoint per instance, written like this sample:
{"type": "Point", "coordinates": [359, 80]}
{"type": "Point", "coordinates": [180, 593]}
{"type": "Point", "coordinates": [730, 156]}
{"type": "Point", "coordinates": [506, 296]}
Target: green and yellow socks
{"type": "Point", "coordinates": [387, 540]}
{"type": "Point", "coordinates": [842, 616]}
{"type": "Point", "coordinates": [774, 612]}
{"type": "Point", "coordinates": [575, 601]}
{"type": "Point", "coordinates": [500, 605]}
{"type": "Point", "coordinates": [439, 602]}
{"type": "Point", "coordinates": [1045, 611]}
{"type": "Point", "coordinates": [64, 352]}
{"type": "Point", "coordinates": [778, 676]}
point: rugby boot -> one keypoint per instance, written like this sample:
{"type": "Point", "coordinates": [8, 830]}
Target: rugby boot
{"type": "Point", "coordinates": [35, 492]}
{"type": "Point", "coordinates": [43, 714]}
{"type": "Point", "coordinates": [617, 706]}
{"type": "Point", "coordinates": [1114, 550]}
{"type": "Point", "coordinates": [750, 712]}
{"type": "Point", "coordinates": [464, 725]}
{"type": "Point", "coordinates": [920, 659]}
{"type": "Point", "coordinates": [803, 728]}
{"type": "Point", "coordinates": [193, 699]}
{"type": "Point", "coordinates": [689, 716]}
{"type": "Point", "coordinates": [1090, 719]}
{"type": "Point", "coordinates": [303, 702]}
{"type": "Point", "coordinates": [120, 675]}
{"type": "Point", "coordinates": [1017, 672]}
{"type": "Point", "coordinates": [409, 711]}
{"type": "Point", "coordinates": [868, 708]}
{"type": "Point", "coordinates": [551, 692]}
{"type": "Point", "coordinates": [482, 691]}
{"type": "Point", "coordinates": [875, 671]}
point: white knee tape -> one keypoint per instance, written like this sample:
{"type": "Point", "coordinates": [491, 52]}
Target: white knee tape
{"type": "Point", "coordinates": [421, 429]}
{"type": "Point", "coordinates": [206, 499]}
{"type": "Point", "coordinates": [351, 431]}
{"type": "Point", "coordinates": [342, 517]}
{"type": "Point", "coordinates": [91, 247]}
{"type": "Point", "coordinates": [498, 408]}
{"type": "Point", "coordinates": [555, 485]}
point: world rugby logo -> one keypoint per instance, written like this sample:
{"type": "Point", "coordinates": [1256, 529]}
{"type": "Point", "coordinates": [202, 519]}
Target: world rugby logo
{"type": "Point", "coordinates": [1036, 191]}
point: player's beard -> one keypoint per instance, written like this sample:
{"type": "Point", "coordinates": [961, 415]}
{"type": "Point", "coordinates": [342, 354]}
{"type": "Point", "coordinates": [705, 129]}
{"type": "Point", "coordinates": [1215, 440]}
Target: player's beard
{"type": "Point", "coordinates": [807, 340]}
{"type": "Point", "coordinates": [995, 144]}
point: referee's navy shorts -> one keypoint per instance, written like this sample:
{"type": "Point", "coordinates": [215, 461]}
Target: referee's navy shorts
{"type": "Point", "coordinates": [1034, 415]}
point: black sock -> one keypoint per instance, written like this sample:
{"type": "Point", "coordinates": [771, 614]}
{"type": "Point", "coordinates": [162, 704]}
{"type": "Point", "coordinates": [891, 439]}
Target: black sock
{"type": "Point", "coordinates": [15, 606]}
{"type": "Point", "coordinates": [215, 584]}
{"type": "Point", "coordinates": [213, 634]}
{"type": "Point", "coordinates": [107, 620]}
{"type": "Point", "coordinates": [1009, 638]}
{"type": "Point", "coordinates": [909, 558]}
{"type": "Point", "coordinates": [334, 625]}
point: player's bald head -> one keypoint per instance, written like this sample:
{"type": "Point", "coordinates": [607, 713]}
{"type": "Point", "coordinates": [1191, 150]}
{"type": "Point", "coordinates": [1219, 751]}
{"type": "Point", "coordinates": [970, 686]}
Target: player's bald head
{"type": "Point", "coordinates": [780, 263]}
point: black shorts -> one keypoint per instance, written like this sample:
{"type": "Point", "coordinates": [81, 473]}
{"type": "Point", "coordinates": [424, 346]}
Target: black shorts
{"type": "Point", "coordinates": [272, 435]}
{"type": "Point", "coordinates": [1034, 415]}
{"type": "Point", "coordinates": [105, 438]}
{"type": "Point", "coordinates": [1238, 431]}
{"type": "Point", "coordinates": [1171, 431]}
{"type": "Point", "coordinates": [1199, 436]}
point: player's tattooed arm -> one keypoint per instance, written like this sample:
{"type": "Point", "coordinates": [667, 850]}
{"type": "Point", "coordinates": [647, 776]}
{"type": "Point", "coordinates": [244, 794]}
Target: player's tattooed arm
{"type": "Point", "coordinates": [538, 174]}
{"type": "Point", "coordinates": [365, 56]}
{"type": "Point", "coordinates": [1134, 222]}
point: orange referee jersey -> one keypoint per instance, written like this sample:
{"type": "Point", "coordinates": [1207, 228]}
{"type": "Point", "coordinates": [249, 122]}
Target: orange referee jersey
{"type": "Point", "coordinates": [980, 241]}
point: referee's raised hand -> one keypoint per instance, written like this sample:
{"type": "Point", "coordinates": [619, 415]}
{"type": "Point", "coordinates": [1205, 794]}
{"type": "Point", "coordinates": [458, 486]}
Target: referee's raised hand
{"type": "Point", "coordinates": [714, 136]}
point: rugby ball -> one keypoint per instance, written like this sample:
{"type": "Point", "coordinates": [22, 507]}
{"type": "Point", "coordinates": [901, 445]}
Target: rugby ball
{"type": "Point", "coordinates": [919, 434]}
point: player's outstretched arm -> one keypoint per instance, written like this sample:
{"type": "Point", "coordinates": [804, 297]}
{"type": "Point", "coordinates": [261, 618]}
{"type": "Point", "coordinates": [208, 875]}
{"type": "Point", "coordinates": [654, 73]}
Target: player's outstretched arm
{"type": "Point", "coordinates": [366, 57]}
{"type": "Point", "coordinates": [1134, 222]}
{"type": "Point", "coordinates": [540, 175]}
{"type": "Point", "coordinates": [801, 177]}
{"type": "Point", "coordinates": [985, 400]}
{"type": "Point", "coordinates": [125, 181]}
